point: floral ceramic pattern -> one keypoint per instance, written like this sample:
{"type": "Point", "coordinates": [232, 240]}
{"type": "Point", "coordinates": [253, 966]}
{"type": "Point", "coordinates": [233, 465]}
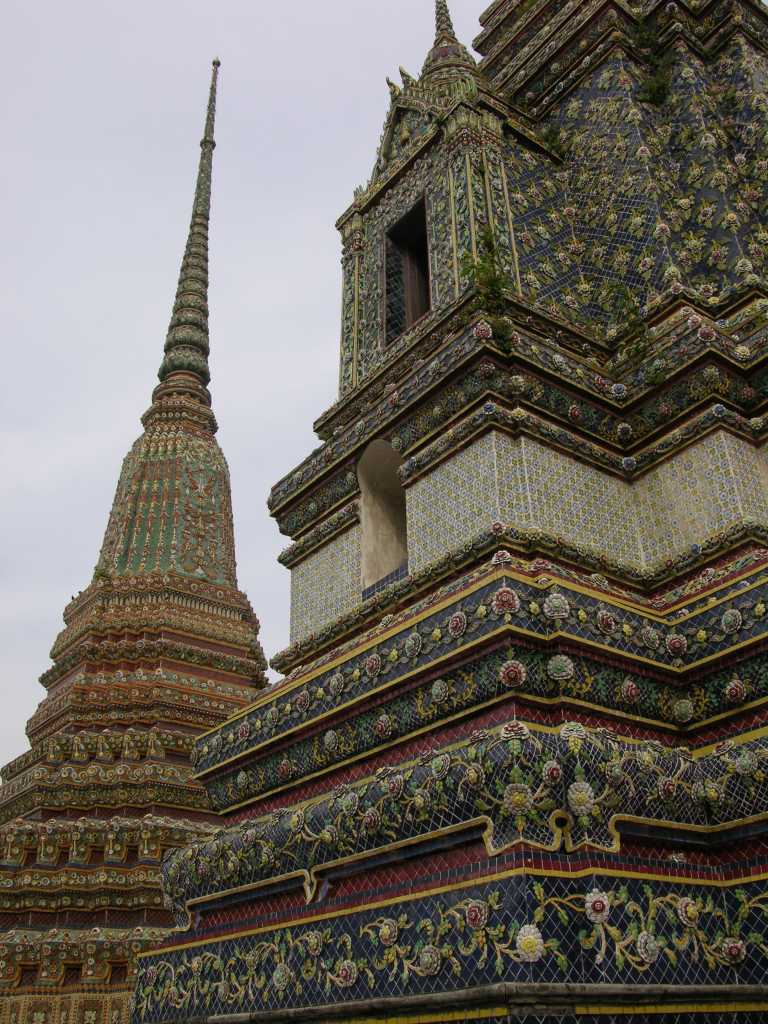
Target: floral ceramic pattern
{"type": "Point", "coordinates": [618, 163]}
{"type": "Point", "coordinates": [517, 930]}
{"type": "Point", "coordinates": [570, 788]}
{"type": "Point", "coordinates": [501, 675]}
{"type": "Point", "coordinates": [547, 611]}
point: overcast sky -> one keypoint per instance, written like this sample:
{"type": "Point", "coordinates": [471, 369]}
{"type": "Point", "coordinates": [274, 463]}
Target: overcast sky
{"type": "Point", "coordinates": [102, 111]}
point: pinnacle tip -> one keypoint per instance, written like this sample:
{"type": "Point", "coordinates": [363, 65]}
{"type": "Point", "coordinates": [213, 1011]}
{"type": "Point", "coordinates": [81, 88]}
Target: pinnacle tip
{"type": "Point", "coordinates": [216, 62]}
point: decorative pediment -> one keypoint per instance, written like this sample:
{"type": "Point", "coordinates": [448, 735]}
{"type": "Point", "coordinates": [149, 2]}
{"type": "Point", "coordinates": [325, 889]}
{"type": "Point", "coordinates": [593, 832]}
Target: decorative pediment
{"type": "Point", "coordinates": [415, 108]}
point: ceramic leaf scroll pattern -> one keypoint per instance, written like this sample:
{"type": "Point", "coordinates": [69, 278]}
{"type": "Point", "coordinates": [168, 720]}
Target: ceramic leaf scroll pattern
{"type": "Point", "coordinates": [508, 673]}
{"type": "Point", "coordinates": [569, 788]}
{"type": "Point", "coordinates": [541, 608]}
{"type": "Point", "coordinates": [518, 930]}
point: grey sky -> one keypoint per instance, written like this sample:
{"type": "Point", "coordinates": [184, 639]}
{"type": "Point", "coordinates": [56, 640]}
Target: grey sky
{"type": "Point", "coordinates": [103, 109]}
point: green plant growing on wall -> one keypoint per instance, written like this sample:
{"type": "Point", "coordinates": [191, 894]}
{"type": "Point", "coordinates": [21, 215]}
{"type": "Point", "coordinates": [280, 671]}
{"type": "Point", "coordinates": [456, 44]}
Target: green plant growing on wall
{"type": "Point", "coordinates": [492, 285]}
{"type": "Point", "coordinates": [657, 79]}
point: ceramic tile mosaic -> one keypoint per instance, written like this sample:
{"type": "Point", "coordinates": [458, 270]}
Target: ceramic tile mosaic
{"type": "Point", "coordinates": [749, 466]}
{"type": "Point", "coordinates": [77, 1008]}
{"type": "Point", "coordinates": [548, 776]}
{"type": "Point", "coordinates": [715, 483]}
{"type": "Point", "coordinates": [326, 584]}
{"type": "Point", "coordinates": [451, 504]}
{"type": "Point", "coordinates": [520, 929]}
{"type": "Point", "coordinates": [580, 503]}
{"type": "Point", "coordinates": [650, 689]}
{"type": "Point", "coordinates": [551, 785]}
{"type": "Point", "coordinates": [707, 487]}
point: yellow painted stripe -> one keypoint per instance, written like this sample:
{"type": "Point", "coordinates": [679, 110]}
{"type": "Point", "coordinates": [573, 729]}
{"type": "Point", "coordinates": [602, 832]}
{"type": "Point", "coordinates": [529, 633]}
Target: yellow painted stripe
{"type": "Point", "coordinates": [435, 1018]}
{"type": "Point", "coordinates": [496, 1012]}
{"type": "Point", "coordinates": [672, 1007]}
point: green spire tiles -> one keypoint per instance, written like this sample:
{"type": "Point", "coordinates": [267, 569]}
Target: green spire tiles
{"type": "Point", "coordinates": [187, 342]}
{"type": "Point", "coordinates": [443, 23]}
{"type": "Point", "coordinates": [172, 510]}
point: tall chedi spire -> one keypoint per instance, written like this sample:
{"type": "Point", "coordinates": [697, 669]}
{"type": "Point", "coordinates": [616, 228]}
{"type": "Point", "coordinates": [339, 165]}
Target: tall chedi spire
{"type": "Point", "coordinates": [172, 509]}
{"type": "Point", "coordinates": [443, 22]}
{"type": "Point", "coordinates": [160, 647]}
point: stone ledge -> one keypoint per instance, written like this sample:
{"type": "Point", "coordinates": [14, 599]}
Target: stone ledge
{"type": "Point", "coordinates": [530, 997]}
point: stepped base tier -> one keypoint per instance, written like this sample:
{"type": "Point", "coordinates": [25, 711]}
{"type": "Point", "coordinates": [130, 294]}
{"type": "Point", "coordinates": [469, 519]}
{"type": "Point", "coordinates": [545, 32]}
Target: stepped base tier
{"type": "Point", "coordinates": [516, 769]}
{"type": "Point", "coordinates": [533, 788]}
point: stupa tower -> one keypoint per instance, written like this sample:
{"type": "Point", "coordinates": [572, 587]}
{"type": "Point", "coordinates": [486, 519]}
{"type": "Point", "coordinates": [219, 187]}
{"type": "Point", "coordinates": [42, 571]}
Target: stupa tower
{"type": "Point", "coordinates": [160, 646]}
{"type": "Point", "coordinates": [516, 769]}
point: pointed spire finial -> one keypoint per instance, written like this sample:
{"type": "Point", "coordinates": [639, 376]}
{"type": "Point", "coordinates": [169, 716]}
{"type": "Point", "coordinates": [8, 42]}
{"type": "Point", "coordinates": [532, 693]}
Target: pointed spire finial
{"type": "Point", "coordinates": [443, 22]}
{"type": "Point", "coordinates": [447, 59]}
{"type": "Point", "coordinates": [211, 113]}
{"type": "Point", "coordinates": [184, 369]}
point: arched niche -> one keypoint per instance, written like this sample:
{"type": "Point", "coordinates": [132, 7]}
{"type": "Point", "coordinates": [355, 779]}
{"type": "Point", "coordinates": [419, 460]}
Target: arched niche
{"type": "Point", "coordinates": [384, 540]}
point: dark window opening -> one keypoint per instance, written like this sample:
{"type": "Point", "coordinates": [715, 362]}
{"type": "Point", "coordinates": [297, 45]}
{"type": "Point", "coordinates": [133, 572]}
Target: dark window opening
{"type": "Point", "coordinates": [407, 272]}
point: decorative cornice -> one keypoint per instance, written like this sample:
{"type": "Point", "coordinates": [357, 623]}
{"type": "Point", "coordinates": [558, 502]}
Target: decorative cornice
{"type": "Point", "coordinates": [538, 57]}
{"type": "Point", "coordinates": [110, 650]}
{"type": "Point", "coordinates": [465, 620]}
{"type": "Point", "coordinates": [94, 951]}
{"type": "Point", "coordinates": [399, 599]}
{"type": "Point", "coordinates": [321, 534]}
{"type": "Point", "coordinates": [571, 788]}
{"type": "Point", "coordinates": [135, 744]}
{"type": "Point", "coordinates": [618, 405]}
{"type": "Point", "coordinates": [136, 789]}
{"type": "Point", "coordinates": [135, 697]}
{"type": "Point", "coordinates": [82, 837]}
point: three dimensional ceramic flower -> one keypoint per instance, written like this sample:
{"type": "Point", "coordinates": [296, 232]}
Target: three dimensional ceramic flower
{"type": "Point", "coordinates": [597, 906]}
{"type": "Point", "coordinates": [529, 944]}
{"type": "Point", "coordinates": [513, 674]}
{"type": "Point", "coordinates": [581, 798]}
{"type": "Point", "coordinates": [505, 602]}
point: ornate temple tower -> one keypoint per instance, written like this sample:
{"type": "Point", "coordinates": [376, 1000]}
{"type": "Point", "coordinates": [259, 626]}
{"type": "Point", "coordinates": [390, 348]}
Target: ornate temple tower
{"type": "Point", "coordinates": [516, 769]}
{"type": "Point", "coordinates": [159, 647]}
